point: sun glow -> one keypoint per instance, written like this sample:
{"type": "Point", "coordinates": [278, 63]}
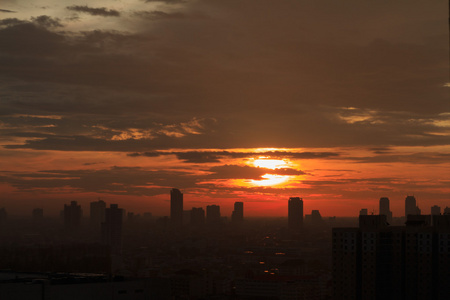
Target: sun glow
{"type": "Point", "coordinates": [270, 163]}
{"type": "Point", "coordinates": [271, 180]}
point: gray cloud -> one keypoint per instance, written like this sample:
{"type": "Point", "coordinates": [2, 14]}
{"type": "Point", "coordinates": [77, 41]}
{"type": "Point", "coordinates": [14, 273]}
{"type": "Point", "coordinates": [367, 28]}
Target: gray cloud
{"type": "Point", "coordinates": [47, 21]}
{"type": "Point", "coordinates": [115, 180]}
{"type": "Point", "coordinates": [247, 172]}
{"type": "Point", "coordinates": [166, 1]}
{"type": "Point", "coordinates": [7, 11]}
{"type": "Point", "coordinates": [95, 11]}
{"type": "Point", "coordinates": [217, 156]}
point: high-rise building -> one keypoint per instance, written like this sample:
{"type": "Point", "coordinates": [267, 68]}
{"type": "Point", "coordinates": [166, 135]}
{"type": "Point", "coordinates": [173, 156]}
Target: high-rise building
{"type": "Point", "coordinates": [410, 206]}
{"type": "Point", "coordinates": [72, 215]}
{"type": "Point", "coordinates": [435, 210]}
{"type": "Point", "coordinates": [384, 209]}
{"type": "Point", "coordinates": [97, 213]}
{"type": "Point", "coordinates": [3, 215]}
{"type": "Point", "coordinates": [112, 228]}
{"type": "Point", "coordinates": [295, 212]}
{"type": "Point", "coordinates": [197, 216]}
{"type": "Point", "coordinates": [238, 213]}
{"type": "Point", "coordinates": [378, 261]}
{"type": "Point", "coordinates": [37, 214]}
{"type": "Point", "coordinates": [176, 208]}
{"type": "Point", "coordinates": [213, 214]}
{"type": "Point", "coordinates": [447, 210]}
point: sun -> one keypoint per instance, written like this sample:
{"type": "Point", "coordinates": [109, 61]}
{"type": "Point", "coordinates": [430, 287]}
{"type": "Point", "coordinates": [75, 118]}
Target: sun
{"type": "Point", "coordinates": [273, 164]}
{"type": "Point", "coordinates": [270, 180]}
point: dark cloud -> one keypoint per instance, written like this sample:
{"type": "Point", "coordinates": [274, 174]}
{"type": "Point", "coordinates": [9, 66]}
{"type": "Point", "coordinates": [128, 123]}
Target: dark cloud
{"type": "Point", "coordinates": [414, 158]}
{"type": "Point", "coordinates": [156, 14]}
{"type": "Point", "coordinates": [166, 1]}
{"type": "Point", "coordinates": [47, 21]}
{"type": "Point", "coordinates": [11, 22]}
{"type": "Point", "coordinates": [247, 172]}
{"type": "Point", "coordinates": [7, 11]}
{"type": "Point", "coordinates": [95, 11]}
{"type": "Point", "coordinates": [115, 180]}
{"type": "Point", "coordinates": [278, 76]}
{"type": "Point", "coordinates": [217, 156]}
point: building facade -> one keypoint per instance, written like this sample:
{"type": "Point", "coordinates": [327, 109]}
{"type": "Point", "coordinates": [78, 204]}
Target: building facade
{"type": "Point", "coordinates": [295, 213]}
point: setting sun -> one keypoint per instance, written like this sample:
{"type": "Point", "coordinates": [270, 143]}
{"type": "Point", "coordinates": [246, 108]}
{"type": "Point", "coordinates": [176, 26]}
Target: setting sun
{"type": "Point", "coordinates": [271, 180]}
{"type": "Point", "coordinates": [270, 163]}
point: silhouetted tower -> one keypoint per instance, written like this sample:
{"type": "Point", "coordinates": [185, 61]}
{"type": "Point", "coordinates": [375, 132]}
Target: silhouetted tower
{"type": "Point", "coordinates": [197, 216]}
{"type": "Point", "coordinates": [295, 212]}
{"type": "Point", "coordinates": [3, 215]}
{"type": "Point", "coordinates": [411, 207]}
{"type": "Point", "coordinates": [72, 215]}
{"type": "Point", "coordinates": [435, 210]}
{"type": "Point", "coordinates": [37, 214]}
{"type": "Point", "coordinates": [238, 213]}
{"type": "Point", "coordinates": [384, 209]}
{"type": "Point", "coordinates": [213, 214]}
{"type": "Point", "coordinates": [316, 218]}
{"type": "Point", "coordinates": [176, 208]}
{"type": "Point", "coordinates": [112, 228]}
{"type": "Point", "coordinates": [97, 212]}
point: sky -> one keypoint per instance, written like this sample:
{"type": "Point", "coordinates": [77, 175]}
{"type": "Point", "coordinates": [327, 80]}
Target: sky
{"type": "Point", "coordinates": [337, 102]}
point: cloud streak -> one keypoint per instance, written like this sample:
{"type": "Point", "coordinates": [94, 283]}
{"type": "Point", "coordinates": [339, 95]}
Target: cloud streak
{"type": "Point", "coordinates": [95, 11]}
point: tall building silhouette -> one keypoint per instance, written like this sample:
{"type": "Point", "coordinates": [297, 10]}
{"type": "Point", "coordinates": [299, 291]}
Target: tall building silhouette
{"type": "Point", "coordinates": [197, 216]}
{"type": "Point", "coordinates": [97, 213]}
{"type": "Point", "coordinates": [295, 212]}
{"type": "Point", "coordinates": [37, 214]}
{"type": "Point", "coordinates": [435, 210]}
{"type": "Point", "coordinates": [176, 207]}
{"type": "Point", "coordinates": [384, 208]}
{"type": "Point", "coordinates": [3, 215]}
{"type": "Point", "coordinates": [72, 215]}
{"type": "Point", "coordinates": [238, 213]}
{"type": "Point", "coordinates": [112, 228]}
{"type": "Point", "coordinates": [410, 206]}
{"type": "Point", "coordinates": [213, 214]}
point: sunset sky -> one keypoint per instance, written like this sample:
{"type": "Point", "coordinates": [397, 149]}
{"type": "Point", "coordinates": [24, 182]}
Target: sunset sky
{"type": "Point", "coordinates": [337, 102]}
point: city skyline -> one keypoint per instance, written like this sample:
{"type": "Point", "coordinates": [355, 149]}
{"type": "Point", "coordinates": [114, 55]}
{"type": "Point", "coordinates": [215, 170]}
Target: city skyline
{"type": "Point", "coordinates": [230, 101]}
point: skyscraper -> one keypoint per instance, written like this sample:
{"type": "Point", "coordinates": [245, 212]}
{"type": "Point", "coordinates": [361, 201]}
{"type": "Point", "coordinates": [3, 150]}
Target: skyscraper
{"type": "Point", "coordinates": [112, 228]}
{"type": "Point", "coordinates": [97, 213]}
{"type": "Point", "coordinates": [295, 212]}
{"type": "Point", "coordinates": [197, 216]}
{"type": "Point", "coordinates": [238, 213]}
{"type": "Point", "coordinates": [384, 209]}
{"type": "Point", "coordinates": [72, 215]}
{"type": "Point", "coordinates": [435, 210]}
{"type": "Point", "coordinates": [37, 214]}
{"type": "Point", "coordinates": [410, 206]}
{"type": "Point", "coordinates": [213, 214]}
{"type": "Point", "coordinates": [176, 208]}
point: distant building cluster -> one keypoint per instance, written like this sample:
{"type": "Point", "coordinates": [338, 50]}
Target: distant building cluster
{"type": "Point", "coordinates": [380, 261]}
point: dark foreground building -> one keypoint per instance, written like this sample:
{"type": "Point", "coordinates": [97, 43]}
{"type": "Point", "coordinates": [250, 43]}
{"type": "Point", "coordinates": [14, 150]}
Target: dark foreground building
{"type": "Point", "coordinates": [378, 261]}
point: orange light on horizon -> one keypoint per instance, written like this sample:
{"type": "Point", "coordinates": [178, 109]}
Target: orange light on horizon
{"type": "Point", "coordinates": [270, 180]}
